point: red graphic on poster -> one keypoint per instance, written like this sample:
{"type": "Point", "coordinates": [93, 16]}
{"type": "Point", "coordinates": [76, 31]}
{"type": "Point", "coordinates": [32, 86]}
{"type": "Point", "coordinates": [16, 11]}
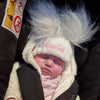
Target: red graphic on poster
{"type": "Point", "coordinates": [20, 7]}
{"type": "Point", "coordinates": [17, 24]}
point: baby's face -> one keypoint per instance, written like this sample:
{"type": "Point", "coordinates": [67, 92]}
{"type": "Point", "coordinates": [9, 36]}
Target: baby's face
{"type": "Point", "coordinates": [50, 65]}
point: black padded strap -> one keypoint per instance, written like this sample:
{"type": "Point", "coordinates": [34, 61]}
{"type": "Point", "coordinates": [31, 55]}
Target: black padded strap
{"type": "Point", "coordinates": [30, 84]}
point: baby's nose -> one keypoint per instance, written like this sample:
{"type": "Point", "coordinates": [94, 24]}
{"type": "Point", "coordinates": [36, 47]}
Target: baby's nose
{"type": "Point", "coordinates": [49, 63]}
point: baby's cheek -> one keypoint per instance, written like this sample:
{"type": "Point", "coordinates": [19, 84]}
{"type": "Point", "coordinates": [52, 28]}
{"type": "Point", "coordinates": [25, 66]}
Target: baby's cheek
{"type": "Point", "coordinates": [58, 71]}
{"type": "Point", "coordinates": [39, 62]}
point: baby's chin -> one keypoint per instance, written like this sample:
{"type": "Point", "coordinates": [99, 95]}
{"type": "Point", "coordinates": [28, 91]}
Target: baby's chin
{"type": "Point", "coordinates": [49, 75]}
{"type": "Point", "coordinates": [47, 72]}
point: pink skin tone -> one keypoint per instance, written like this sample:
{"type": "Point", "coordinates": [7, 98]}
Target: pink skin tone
{"type": "Point", "coordinates": [50, 65]}
{"type": "Point", "coordinates": [11, 98]}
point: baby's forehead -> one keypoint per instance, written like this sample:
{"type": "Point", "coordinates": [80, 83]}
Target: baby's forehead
{"type": "Point", "coordinates": [50, 56]}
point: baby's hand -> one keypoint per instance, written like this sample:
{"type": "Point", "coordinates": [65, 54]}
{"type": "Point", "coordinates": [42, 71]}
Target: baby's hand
{"type": "Point", "coordinates": [11, 98]}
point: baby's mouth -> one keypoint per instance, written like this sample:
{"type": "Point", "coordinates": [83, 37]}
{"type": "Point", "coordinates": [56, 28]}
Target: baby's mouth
{"type": "Point", "coordinates": [45, 70]}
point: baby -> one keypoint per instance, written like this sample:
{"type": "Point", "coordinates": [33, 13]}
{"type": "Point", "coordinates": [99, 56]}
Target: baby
{"type": "Point", "coordinates": [51, 64]}
{"type": "Point", "coordinates": [54, 61]}
{"type": "Point", "coordinates": [50, 68]}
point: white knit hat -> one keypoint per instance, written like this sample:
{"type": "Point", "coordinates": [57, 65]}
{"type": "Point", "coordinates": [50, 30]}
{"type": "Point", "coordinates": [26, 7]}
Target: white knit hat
{"type": "Point", "coordinates": [57, 46]}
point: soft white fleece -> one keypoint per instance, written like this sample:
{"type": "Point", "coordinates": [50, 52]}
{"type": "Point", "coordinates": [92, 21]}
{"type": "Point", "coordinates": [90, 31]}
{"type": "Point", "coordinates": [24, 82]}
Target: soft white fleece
{"type": "Point", "coordinates": [13, 89]}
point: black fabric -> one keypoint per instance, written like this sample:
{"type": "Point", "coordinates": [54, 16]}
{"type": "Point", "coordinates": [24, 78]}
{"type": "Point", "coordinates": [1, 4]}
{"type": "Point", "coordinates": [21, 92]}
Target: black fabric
{"type": "Point", "coordinates": [2, 9]}
{"type": "Point", "coordinates": [7, 54]}
{"type": "Point", "coordinates": [89, 75]}
{"type": "Point", "coordinates": [22, 41]}
{"type": "Point", "coordinates": [98, 98]}
{"type": "Point", "coordinates": [8, 44]}
{"type": "Point", "coordinates": [71, 93]}
{"type": "Point", "coordinates": [89, 62]}
{"type": "Point", "coordinates": [81, 56]}
{"type": "Point", "coordinates": [30, 84]}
